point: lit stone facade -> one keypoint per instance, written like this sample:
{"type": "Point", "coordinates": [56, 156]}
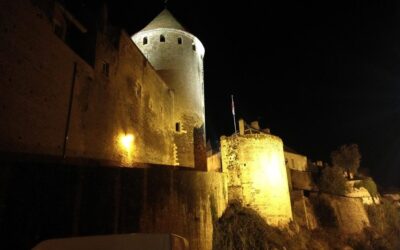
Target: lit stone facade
{"type": "Point", "coordinates": [255, 166]}
{"type": "Point", "coordinates": [296, 161]}
{"type": "Point", "coordinates": [177, 56]}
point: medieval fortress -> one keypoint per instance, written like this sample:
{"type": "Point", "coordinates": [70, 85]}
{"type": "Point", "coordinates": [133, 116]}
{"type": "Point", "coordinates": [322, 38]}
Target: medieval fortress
{"type": "Point", "coordinates": [72, 92]}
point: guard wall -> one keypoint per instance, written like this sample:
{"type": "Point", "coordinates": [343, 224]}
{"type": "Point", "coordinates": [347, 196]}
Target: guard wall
{"type": "Point", "coordinates": [42, 77]}
{"type": "Point", "coordinates": [43, 201]}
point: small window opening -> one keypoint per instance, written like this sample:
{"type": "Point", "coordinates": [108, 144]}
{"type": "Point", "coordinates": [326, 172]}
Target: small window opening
{"type": "Point", "coordinates": [145, 40]}
{"type": "Point", "coordinates": [179, 40]}
{"type": "Point", "coordinates": [194, 47]}
{"type": "Point", "coordinates": [162, 38]}
{"type": "Point", "coordinates": [178, 127]}
{"type": "Point", "coordinates": [106, 68]}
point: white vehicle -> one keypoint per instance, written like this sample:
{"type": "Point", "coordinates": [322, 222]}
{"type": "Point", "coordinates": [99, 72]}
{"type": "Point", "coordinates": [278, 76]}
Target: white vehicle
{"type": "Point", "coordinates": [117, 242]}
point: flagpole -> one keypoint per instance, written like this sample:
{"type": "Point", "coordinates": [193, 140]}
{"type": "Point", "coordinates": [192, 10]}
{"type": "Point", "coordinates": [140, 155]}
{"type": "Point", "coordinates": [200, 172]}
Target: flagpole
{"type": "Point", "coordinates": [233, 113]}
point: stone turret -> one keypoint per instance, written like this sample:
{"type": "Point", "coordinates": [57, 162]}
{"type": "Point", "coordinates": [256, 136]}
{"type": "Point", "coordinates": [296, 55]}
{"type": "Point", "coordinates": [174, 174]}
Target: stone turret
{"type": "Point", "coordinates": [177, 56]}
{"type": "Point", "coordinates": [256, 175]}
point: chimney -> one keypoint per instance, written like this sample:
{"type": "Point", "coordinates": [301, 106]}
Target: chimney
{"type": "Point", "coordinates": [255, 125]}
{"type": "Point", "coordinates": [266, 130]}
{"type": "Point", "coordinates": [241, 126]}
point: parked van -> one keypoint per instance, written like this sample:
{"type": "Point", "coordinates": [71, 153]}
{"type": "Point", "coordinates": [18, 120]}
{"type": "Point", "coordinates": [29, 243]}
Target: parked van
{"type": "Point", "coordinates": [117, 242]}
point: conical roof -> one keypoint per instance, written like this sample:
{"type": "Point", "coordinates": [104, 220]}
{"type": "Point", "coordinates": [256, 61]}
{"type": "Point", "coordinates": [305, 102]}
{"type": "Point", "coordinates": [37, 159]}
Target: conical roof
{"type": "Point", "coordinates": [164, 20]}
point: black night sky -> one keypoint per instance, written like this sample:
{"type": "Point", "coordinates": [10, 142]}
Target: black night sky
{"type": "Point", "coordinates": [319, 75]}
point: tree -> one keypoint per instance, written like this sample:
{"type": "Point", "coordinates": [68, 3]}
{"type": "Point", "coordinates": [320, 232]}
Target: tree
{"type": "Point", "coordinates": [332, 181]}
{"type": "Point", "coordinates": [347, 157]}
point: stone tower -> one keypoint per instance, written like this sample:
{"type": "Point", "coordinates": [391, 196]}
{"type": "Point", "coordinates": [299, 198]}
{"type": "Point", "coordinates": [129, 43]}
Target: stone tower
{"type": "Point", "coordinates": [177, 56]}
{"type": "Point", "coordinates": [255, 167]}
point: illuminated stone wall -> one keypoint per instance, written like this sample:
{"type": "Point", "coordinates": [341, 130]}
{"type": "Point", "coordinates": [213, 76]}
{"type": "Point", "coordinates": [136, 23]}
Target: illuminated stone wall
{"type": "Point", "coordinates": [37, 73]}
{"type": "Point", "coordinates": [360, 192]}
{"type": "Point", "coordinates": [181, 66]}
{"type": "Point", "coordinates": [296, 161]}
{"type": "Point", "coordinates": [214, 162]}
{"type": "Point", "coordinates": [133, 99]}
{"type": "Point", "coordinates": [257, 177]}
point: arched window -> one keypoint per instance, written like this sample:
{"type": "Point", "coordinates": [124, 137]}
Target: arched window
{"type": "Point", "coordinates": [179, 40]}
{"type": "Point", "coordinates": [145, 40]}
{"type": "Point", "coordinates": [162, 38]}
{"type": "Point", "coordinates": [194, 47]}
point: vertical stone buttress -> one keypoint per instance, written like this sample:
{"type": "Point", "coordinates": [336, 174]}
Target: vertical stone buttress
{"type": "Point", "coordinates": [177, 56]}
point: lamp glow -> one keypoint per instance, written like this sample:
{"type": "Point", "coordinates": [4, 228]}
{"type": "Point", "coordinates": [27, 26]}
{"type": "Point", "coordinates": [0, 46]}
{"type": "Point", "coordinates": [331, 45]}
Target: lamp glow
{"type": "Point", "coordinates": [126, 141]}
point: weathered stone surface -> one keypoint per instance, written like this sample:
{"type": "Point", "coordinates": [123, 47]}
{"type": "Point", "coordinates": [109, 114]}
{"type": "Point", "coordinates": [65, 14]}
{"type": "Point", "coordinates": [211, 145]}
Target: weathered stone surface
{"type": "Point", "coordinates": [303, 212]}
{"type": "Point", "coordinates": [214, 162]}
{"type": "Point", "coordinates": [257, 175]}
{"type": "Point", "coordinates": [302, 180]}
{"type": "Point", "coordinates": [296, 161]}
{"type": "Point", "coordinates": [177, 56]}
{"type": "Point", "coordinates": [349, 212]}
{"type": "Point", "coordinates": [39, 81]}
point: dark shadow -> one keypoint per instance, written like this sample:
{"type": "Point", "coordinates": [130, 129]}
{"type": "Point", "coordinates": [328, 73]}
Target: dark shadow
{"type": "Point", "coordinates": [200, 160]}
{"type": "Point", "coordinates": [325, 213]}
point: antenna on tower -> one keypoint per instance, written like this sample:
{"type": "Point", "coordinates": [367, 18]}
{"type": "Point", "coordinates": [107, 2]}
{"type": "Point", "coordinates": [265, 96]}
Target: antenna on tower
{"type": "Point", "coordinates": [233, 113]}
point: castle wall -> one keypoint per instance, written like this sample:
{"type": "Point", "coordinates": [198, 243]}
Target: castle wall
{"type": "Point", "coordinates": [349, 213]}
{"type": "Point", "coordinates": [296, 161]}
{"type": "Point", "coordinates": [301, 180]}
{"type": "Point", "coordinates": [214, 162]}
{"type": "Point", "coordinates": [36, 71]}
{"type": "Point", "coordinates": [257, 175]}
{"type": "Point", "coordinates": [303, 211]}
{"type": "Point", "coordinates": [39, 80]}
{"type": "Point", "coordinates": [181, 66]}
{"type": "Point", "coordinates": [360, 192]}
{"type": "Point", "coordinates": [105, 200]}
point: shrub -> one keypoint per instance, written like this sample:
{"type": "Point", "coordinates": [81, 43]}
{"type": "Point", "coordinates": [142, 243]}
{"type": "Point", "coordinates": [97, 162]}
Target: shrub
{"type": "Point", "coordinates": [241, 228]}
{"type": "Point", "coordinates": [332, 181]}
{"type": "Point", "coordinates": [348, 157]}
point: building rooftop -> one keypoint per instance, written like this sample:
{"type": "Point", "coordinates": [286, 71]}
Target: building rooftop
{"type": "Point", "coordinates": [164, 20]}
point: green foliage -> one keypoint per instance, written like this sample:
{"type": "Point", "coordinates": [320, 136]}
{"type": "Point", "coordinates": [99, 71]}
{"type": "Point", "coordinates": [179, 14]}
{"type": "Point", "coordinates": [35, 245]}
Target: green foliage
{"type": "Point", "coordinates": [369, 184]}
{"type": "Point", "coordinates": [332, 181]}
{"type": "Point", "coordinates": [347, 157]}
